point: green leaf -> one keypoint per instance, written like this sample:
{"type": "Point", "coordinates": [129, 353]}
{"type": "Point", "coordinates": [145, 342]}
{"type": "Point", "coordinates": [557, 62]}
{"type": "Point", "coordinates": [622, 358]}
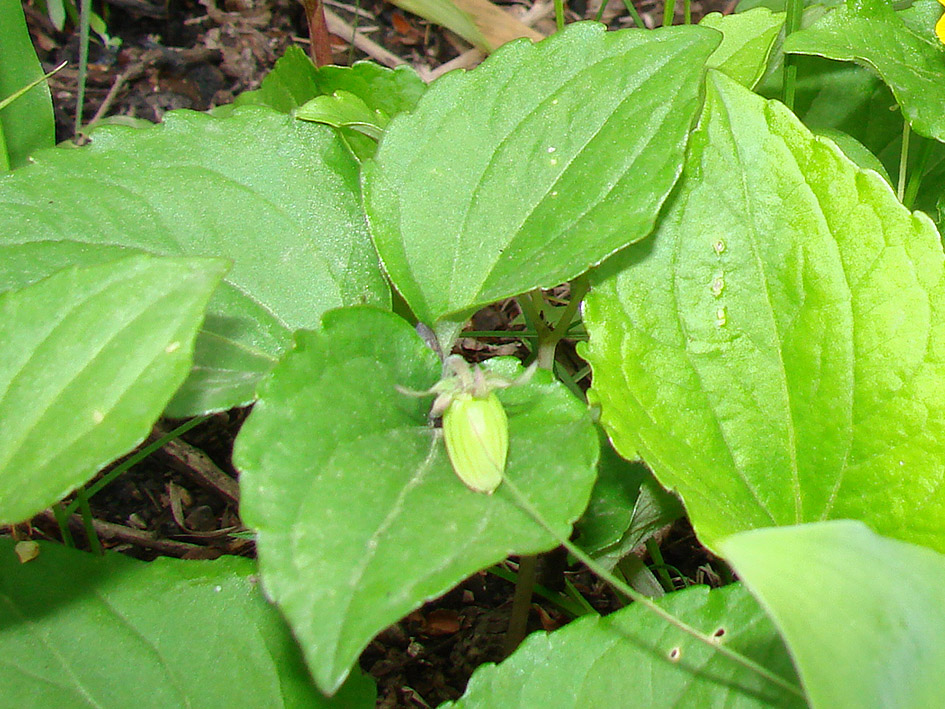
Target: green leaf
{"type": "Point", "coordinates": [601, 662]}
{"type": "Point", "coordinates": [244, 188]}
{"type": "Point", "coordinates": [359, 515]}
{"type": "Point", "coordinates": [27, 124]}
{"type": "Point", "coordinates": [78, 630]}
{"type": "Point", "coordinates": [836, 96]}
{"type": "Point", "coordinates": [781, 5]}
{"type": "Point", "coordinates": [773, 352]}
{"type": "Point", "coordinates": [90, 358]}
{"type": "Point", "coordinates": [360, 125]}
{"type": "Point", "coordinates": [861, 614]}
{"type": "Point", "coordinates": [343, 109]}
{"type": "Point", "coordinates": [654, 509]}
{"type": "Point", "coordinates": [294, 80]}
{"type": "Point", "coordinates": [870, 33]}
{"type": "Point", "coordinates": [527, 170]}
{"type": "Point", "coordinates": [610, 508]}
{"type": "Point", "coordinates": [839, 96]}
{"type": "Point", "coordinates": [747, 40]}
{"type": "Point", "coordinates": [921, 15]}
{"type": "Point", "coordinates": [856, 151]}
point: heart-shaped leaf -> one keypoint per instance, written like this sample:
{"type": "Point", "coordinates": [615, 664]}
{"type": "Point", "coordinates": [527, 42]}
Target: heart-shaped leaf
{"type": "Point", "coordinates": [360, 517]}
{"type": "Point", "coordinates": [773, 352]}
{"type": "Point", "coordinates": [534, 166]}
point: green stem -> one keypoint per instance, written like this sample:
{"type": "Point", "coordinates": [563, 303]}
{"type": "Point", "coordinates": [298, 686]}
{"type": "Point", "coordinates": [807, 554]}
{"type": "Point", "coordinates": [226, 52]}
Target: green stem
{"type": "Point", "coordinates": [62, 519]}
{"type": "Point", "coordinates": [85, 11]}
{"type": "Point", "coordinates": [94, 543]}
{"type": "Point", "coordinates": [19, 92]}
{"type": "Point", "coordinates": [579, 288]}
{"type": "Point", "coordinates": [792, 23]}
{"type": "Point", "coordinates": [561, 371]}
{"type": "Point", "coordinates": [574, 608]}
{"type": "Point", "coordinates": [446, 333]}
{"type": "Point", "coordinates": [559, 14]}
{"type": "Point", "coordinates": [687, 12]}
{"type": "Point", "coordinates": [903, 159]}
{"type": "Point", "coordinates": [531, 303]}
{"type": "Point", "coordinates": [637, 20]}
{"type": "Point", "coordinates": [106, 479]}
{"type": "Point", "coordinates": [521, 602]}
{"type": "Point", "coordinates": [4, 155]}
{"type": "Point", "coordinates": [918, 172]}
{"type": "Point", "coordinates": [669, 12]}
{"type": "Point", "coordinates": [656, 555]}
{"type": "Point", "coordinates": [522, 502]}
{"type": "Point", "coordinates": [576, 595]}
{"type": "Point", "coordinates": [549, 337]}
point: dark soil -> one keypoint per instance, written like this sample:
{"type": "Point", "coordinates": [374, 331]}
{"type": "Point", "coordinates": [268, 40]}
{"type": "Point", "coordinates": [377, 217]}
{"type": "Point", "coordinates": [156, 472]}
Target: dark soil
{"type": "Point", "coordinates": [182, 500]}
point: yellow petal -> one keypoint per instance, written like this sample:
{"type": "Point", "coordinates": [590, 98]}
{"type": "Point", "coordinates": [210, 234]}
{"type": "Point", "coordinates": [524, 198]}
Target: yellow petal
{"type": "Point", "coordinates": [940, 26]}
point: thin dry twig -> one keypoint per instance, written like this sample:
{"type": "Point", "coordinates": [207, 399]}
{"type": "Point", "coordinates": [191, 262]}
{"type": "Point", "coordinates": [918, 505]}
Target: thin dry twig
{"type": "Point", "coordinates": [342, 29]}
{"type": "Point", "coordinates": [138, 537]}
{"type": "Point", "coordinates": [466, 60]}
{"type": "Point", "coordinates": [197, 465]}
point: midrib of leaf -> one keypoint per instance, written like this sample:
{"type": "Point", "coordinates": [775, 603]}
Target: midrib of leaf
{"type": "Point", "coordinates": [564, 227]}
{"type": "Point", "coordinates": [53, 649]}
{"type": "Point", "coordinates": [254, 351]}
{"type": "Point", "coordinates": [169, 673]}
{"type": "Point", "coordinates": [629, 94]}
{"type": "Point", "coordinates": [41, 414]}
{"type": "Point", "coordinates": [655, 425]}
{"type": "Point", "coordinates": [773, 323]}
{"type": "Point", "coordinates": [354, 582]}
{"type": "Point", "coordinates": [674, 270]}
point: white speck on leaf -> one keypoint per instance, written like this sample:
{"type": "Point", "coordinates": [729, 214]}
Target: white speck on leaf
{"type": "Point", "coordinates": [172, 347]}
{"type": "Point", "coordinates": [718, 285]}
{"type": "Point", "coordinates": [98, 416]}
{"type": "Point", "coordinates": [551, 149]}
{"type": "Point", "coordinates": [719, 246]}
{"type": "Point", "coordinates": [721, 317]}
